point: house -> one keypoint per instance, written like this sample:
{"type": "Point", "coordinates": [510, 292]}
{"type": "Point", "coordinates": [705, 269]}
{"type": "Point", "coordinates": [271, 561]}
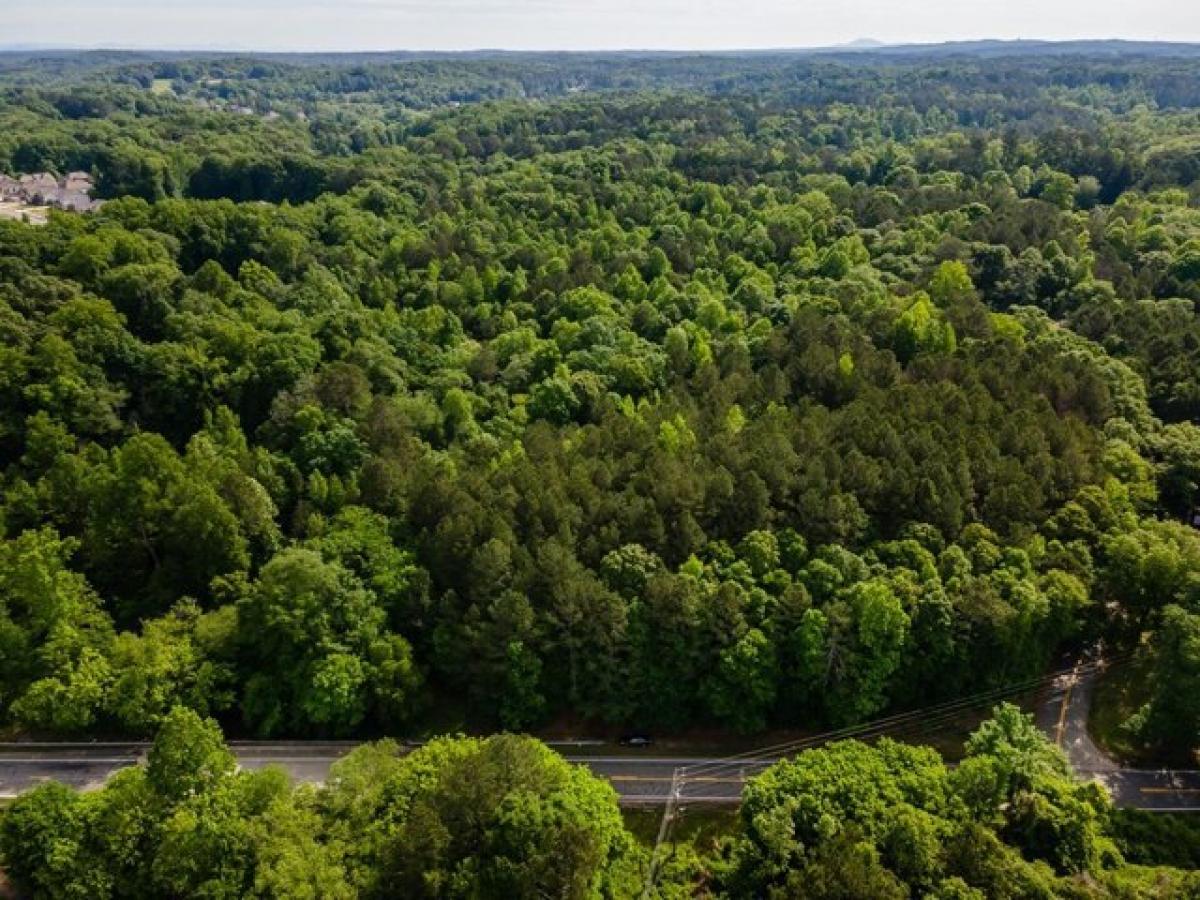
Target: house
{"type": "Point", "coordinates": [40, 181]}
{"type": "Point", "coordinates": [77, 201]}
{"type": "Point", "coordinates": [78, 181]}
{"type": "Point", "coordinates": [62, 198]}
{"type": "Point", "coordinates": [42, 196]}
{"type": "Point", "coordinates": [42, 189]}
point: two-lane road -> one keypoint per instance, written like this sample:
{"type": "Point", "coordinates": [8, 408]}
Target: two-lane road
{"type": "Point", "coordinates": [639, 778]}
{"type": "Point", "coordinates": [89, 765]}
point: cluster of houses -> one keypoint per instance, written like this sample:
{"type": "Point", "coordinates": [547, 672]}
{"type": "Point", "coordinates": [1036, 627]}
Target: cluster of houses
{"type": "Point", "coordinates": [72, 192]}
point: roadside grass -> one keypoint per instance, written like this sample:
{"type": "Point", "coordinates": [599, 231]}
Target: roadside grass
{"type": "Point", "coordinates": [1120, 693]}
{"type": "Point", "coordinates": [700, 826]}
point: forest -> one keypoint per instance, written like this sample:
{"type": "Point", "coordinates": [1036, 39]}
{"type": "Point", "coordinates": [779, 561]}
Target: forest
{"type": "Point", "coordinates": [386, 398]}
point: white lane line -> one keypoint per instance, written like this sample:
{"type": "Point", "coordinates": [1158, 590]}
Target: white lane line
{"type": "Point", "coordinates": [78, 761]}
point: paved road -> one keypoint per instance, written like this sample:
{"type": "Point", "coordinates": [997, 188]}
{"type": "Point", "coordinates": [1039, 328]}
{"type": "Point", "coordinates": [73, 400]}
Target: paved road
{"type": "Point", "coordinates": [637, 778]}
{"type": "Point", "coordinates": [1063, 715]}
{"type": "Point", "coordinates": [640, 778]}
{"type": "Point", "coordinates": [89, 765]}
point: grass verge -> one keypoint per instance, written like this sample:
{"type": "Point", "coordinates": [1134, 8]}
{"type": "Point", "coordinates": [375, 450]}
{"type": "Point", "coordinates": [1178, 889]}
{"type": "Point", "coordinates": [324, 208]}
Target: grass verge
{"type": "Point", "coordinates": [1120, 693]}
{"type": "Point", "coordinates": [701, 826]}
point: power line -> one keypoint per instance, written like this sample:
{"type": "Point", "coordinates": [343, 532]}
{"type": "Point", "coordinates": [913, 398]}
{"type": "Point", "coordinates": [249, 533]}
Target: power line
{"type": "Point", "coordinates": [882, 724]}
{"type": "Point", "coordinates": [919, 720]}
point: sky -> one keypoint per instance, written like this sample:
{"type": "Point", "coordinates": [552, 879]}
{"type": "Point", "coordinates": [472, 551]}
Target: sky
{"type": "Point", "coordinates": [577, 24]}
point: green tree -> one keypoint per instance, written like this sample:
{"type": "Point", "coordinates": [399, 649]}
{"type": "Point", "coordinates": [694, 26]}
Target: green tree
{"type": "Point", "coordinates": [504, 817]}
{"type": "Point", "coordinates": [154, 530]}
{"type": "Point", "coordinates": [1171, 720]}
{"type": "Point", "coordinates": [316, 643]}
{"type": "Point", "coordinates": [742, 690]}
{"type": "Point", "coordinates": [54, 635]}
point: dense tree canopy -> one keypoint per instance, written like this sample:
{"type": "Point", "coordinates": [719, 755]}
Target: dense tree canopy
{"type": "Point", "coordinates": [659, 392]}
{"type": "Point", "coordinates": [391, 393]}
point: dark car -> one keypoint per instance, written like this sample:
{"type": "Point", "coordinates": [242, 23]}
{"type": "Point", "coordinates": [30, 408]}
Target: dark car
{"type": "Point", "coordinates": [636, 740]}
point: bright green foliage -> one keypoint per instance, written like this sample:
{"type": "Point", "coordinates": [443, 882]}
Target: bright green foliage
{"type": "Point", "coordinates": [1151, 566]}
{"type": "Point", "coordinates": [184, 825]}
{"type": "Point", "coordinates": [188, 755]}
{"type": "Point", "coordinates": [891, 819]}
{"type": "Point", "coordinates": [42, 835]}
{"type": "Point", "coordinates": [53, 634]}
{"type": "Point", "coordinates": [504, 817]}
{"type": "Point", "coordinates": [175, 661]}
{"type": "Point", "coordinates": [1017, 752]}
{"type": "Point", "coordinates": [319, 649]}
{"type": "Point", "coordinates": [919, 330]}
{"type": "Point", "coordinates": [951, 283]}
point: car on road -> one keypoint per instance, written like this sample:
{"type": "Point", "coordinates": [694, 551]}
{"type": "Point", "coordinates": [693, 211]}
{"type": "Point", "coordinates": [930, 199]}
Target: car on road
{"type": "Point", "coordinates": [636, 740]}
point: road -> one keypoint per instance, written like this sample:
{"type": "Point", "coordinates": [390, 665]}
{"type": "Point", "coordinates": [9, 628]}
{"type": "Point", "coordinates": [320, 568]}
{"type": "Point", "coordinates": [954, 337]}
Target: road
{"type": "Point", "coordinates": [639, 778]}
{"type": "Point", "coordinates": [1063, 715]}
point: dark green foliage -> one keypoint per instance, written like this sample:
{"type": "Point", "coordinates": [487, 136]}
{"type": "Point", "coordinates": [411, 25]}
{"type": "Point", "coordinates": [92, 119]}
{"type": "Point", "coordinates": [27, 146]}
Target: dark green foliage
{"type": "Point", "coordinates": [1170, 722]}
{"type": "Point", "coordinates": [787, 393]}
{"type": "Point", "coordinates": [1157, 839]}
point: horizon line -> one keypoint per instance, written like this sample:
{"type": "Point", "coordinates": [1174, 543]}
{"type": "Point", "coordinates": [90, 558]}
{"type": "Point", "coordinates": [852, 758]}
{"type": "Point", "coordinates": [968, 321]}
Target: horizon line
{"type": "Point", "coordinates": [857, 45]}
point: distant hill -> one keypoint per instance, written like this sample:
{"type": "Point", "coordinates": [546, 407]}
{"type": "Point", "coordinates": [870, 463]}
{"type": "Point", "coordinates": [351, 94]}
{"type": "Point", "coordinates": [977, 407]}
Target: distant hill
{"type": "Point", "coordinates": [862, 44]}
{"type": "Point", "coordinates": [1032, 48]}
{"type": "Point", "coordinates": [857, 47]}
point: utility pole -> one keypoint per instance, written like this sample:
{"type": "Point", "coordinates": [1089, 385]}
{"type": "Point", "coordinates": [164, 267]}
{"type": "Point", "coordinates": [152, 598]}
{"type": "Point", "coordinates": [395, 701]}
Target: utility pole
{"type": "Point", "coordinates": [664, 831]}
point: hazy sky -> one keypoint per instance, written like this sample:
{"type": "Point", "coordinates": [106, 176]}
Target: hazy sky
{"type": "Point", "coordinates": [578, 24]}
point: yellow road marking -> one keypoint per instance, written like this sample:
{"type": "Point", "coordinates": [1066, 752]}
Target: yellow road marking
{"type": "Point", "coordinates": [1169, 790]}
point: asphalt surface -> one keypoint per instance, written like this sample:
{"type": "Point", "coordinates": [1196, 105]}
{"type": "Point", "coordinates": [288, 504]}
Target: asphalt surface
{"type": "Point", "coordinates": [1063, 715]}
{"type": "Point", "coordinates": [640, 777]}
{"type": "Point", "coordinates": [637, 778]}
